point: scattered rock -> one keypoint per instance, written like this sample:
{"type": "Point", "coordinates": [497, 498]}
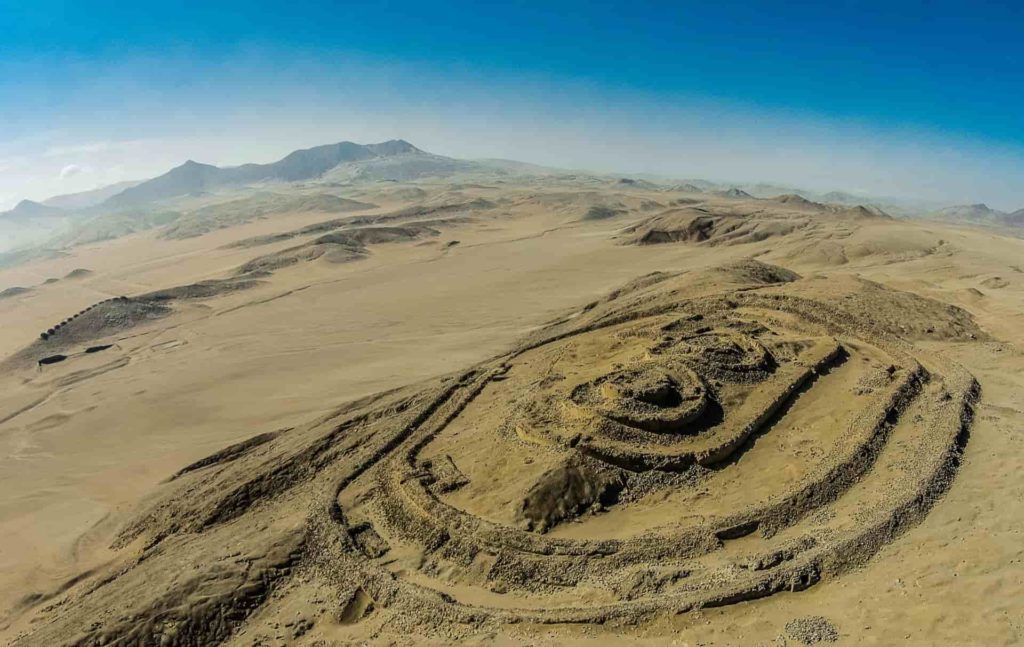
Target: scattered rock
{"type": "Point", "coordinates": [812, 630]}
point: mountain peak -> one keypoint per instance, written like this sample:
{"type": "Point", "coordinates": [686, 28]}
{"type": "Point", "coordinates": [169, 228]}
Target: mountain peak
{"type": "Point", "coordinates": [793, 198]}
{"type": "Point", "coordinates": [192, 166]}
{"type": "Point", "coordinates": [734, 192]}
{"type": "Point", "coordinates": [394, 147]}
{"type": "Point", "coordinates": [31, 209]}
{"type": "Point", "coordinates": [978, 213]}
{"type": "Point", "coordinates": [977, 209]}
{"type": "Point", "coordinates": [194, 177]}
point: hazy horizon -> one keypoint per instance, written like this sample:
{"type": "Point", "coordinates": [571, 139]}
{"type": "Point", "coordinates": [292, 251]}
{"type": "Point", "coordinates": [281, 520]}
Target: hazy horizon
{"type": "Point", "coordinates": [98, 97]}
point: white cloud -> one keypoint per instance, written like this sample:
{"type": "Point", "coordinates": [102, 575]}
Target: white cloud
{"type": "Point", "coordinates": [70, 170]}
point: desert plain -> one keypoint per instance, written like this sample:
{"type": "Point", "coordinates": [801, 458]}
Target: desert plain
{"type": "Point", "coordinates": [429, 403]}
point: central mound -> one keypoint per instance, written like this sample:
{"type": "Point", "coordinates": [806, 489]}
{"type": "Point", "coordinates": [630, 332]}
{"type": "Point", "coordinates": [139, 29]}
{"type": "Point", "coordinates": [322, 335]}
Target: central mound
{"type": "Point", "coordinates": [646, 397]}
{"type": "Point", "coordinates": [604, 470]}
{"type": "Point", "coordinates": [661, 387]}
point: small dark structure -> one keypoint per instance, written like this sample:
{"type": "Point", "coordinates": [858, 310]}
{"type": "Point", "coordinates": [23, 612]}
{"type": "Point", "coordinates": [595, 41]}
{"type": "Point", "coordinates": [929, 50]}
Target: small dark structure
{"type": "Point", "coordinates": [52, 359]}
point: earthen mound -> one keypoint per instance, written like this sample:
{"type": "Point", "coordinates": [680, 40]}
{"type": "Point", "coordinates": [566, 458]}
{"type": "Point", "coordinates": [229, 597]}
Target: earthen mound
{"type": "Point", "coordinates": [13, 292]}
{"type": "Point", "coordinates": [100, 320]}
{"type": "Point", "coordinates": [812, 630]}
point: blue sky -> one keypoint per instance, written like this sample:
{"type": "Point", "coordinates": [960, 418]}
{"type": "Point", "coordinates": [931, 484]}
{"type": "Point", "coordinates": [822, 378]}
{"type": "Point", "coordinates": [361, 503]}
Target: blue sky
{"type": "Point", "coordinates": [912, 99]}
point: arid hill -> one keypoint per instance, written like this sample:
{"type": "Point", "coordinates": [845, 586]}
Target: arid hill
{"type": "Point", "coordinates": [523, 409]}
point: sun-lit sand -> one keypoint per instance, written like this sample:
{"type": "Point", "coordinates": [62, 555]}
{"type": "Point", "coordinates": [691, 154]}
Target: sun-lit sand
{"type": "Point", "coordinates": [502, 474]}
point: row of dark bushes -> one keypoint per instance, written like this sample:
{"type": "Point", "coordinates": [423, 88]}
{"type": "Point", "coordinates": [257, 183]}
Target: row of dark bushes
{"type": "Point", "coordinates": [50, 332]}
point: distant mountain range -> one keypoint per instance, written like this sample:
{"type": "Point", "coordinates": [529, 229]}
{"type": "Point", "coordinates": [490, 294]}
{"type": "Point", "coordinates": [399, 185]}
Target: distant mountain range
{"type": "Point", "coordinates": [62, 206]}
{"type": "Point", "coordinates": [395, 160]}
{"type": "Point", "coordinates": [127, 207]}
{"type": "Point", "coordinates": [980, 214]}
{"type": "Point", "coordinates": [27, 210]}
{"type": "Point", "coordinates": [86, 199]}
{"type": "Point", "coordinates": [193, 178]}
{"type": "Point", "coordinates": [29, 222]}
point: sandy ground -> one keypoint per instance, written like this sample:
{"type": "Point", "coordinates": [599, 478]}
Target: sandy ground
{"type": "Point", "coordinates": [82, 442]}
